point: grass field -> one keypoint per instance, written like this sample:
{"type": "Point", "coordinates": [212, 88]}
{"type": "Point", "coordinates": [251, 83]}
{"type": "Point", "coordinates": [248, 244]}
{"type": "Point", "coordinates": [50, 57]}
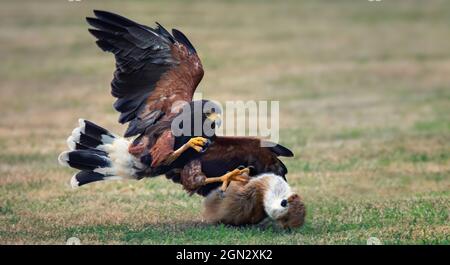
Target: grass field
{"type": "Point", "coordinates": [364, 91]}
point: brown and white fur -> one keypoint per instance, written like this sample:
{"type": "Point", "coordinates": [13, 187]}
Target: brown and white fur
{"type": "Point", "coordinates": [252, 202]}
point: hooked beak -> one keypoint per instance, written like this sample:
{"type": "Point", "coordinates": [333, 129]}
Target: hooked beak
{"type": "Point", "coordinates": [216, 118]}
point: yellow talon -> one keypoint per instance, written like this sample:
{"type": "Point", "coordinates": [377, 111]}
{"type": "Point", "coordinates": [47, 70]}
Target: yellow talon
{"type": "Point", "coordinates": [235, 175]}
{"type": "Point", "coordinates": [244, 171]}
{"type": "Point", "coordinates": [197, 143]}
{"type": "Point", "coordinates": [197, 148]}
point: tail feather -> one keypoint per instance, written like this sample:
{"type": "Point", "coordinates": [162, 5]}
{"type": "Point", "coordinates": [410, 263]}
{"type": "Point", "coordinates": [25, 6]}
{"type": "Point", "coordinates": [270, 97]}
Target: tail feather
{"type": "Point", "coordinates": [99, 154]}
{"type": "Point", "coordinates": [94, 131]}
{"type": "Point", "coordinates": [88, 135]}
{"type": "Point", "coordinates": [85, 177]}
{"type": "Point", "coordinates": [79, 140]}
{"type": "Point", "coordinates": [85, 159]}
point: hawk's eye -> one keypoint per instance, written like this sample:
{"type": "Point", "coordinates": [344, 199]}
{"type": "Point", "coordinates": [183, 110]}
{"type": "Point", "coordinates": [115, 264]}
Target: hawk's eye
{"type": "Point", "coordinates": [284, 203]}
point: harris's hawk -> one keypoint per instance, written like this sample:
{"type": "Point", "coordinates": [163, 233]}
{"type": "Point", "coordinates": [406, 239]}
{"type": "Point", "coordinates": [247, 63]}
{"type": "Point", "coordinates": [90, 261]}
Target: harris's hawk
{"type": "Point", "coordinates": [155, 78]}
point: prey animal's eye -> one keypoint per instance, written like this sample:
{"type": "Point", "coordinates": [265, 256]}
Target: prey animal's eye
{"type": "Point", "coordinates": [283, 203]}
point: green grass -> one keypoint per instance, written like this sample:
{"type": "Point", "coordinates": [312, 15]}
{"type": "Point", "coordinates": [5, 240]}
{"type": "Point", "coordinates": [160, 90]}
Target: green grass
{"type": "Point", "coordinates": [364, 101]}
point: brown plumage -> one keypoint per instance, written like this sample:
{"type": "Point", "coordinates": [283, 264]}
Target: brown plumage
{"type": "Point", "coordinates": [155, 78]}
{"type": "Point", "coordinates": [156, 74]}
{"type": "Point", "coordinates": [154, 69]}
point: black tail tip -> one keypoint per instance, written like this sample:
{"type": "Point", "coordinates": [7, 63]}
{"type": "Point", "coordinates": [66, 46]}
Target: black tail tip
{"type": "Point", "coordinates": [84, 177]}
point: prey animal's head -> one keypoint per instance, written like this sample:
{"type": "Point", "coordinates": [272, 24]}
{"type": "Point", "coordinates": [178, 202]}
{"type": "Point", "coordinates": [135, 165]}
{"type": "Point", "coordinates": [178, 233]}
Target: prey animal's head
{"type": "Point", "coordinates": [282, 205]}
{"type": "Point", "coordinates": [294, 216]}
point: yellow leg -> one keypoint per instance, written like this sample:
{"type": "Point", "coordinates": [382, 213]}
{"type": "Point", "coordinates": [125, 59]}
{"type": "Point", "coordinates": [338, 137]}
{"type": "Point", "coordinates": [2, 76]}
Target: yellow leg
{"type": "Point", "coordinates": [235, 175]}
{"type": "Point", "coordinates": [195, 143]}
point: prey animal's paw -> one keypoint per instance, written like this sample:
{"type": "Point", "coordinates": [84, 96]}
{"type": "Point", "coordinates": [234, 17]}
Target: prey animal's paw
{"type": "Point", "coordinates": [199, 144]}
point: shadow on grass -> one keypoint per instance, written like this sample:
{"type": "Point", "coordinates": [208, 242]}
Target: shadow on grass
{"type": "Point", "coordinates": [183, 232]}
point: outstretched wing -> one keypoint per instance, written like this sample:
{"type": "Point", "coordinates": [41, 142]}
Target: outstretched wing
{"type": "Point", "coordinates": [227, 153]}
{"type": "Point", "coordinates": [154, 69]}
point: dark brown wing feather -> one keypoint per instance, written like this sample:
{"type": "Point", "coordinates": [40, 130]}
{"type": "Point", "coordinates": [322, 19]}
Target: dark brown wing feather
{"type": "Point", "coordinates": [153, 68]}
{"type": "Point", "coordinates": [228, 153]}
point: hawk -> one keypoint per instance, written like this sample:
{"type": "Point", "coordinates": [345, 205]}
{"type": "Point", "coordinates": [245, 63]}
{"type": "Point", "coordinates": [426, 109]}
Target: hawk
{"type": "Point", "coordinates": [156, 75]}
